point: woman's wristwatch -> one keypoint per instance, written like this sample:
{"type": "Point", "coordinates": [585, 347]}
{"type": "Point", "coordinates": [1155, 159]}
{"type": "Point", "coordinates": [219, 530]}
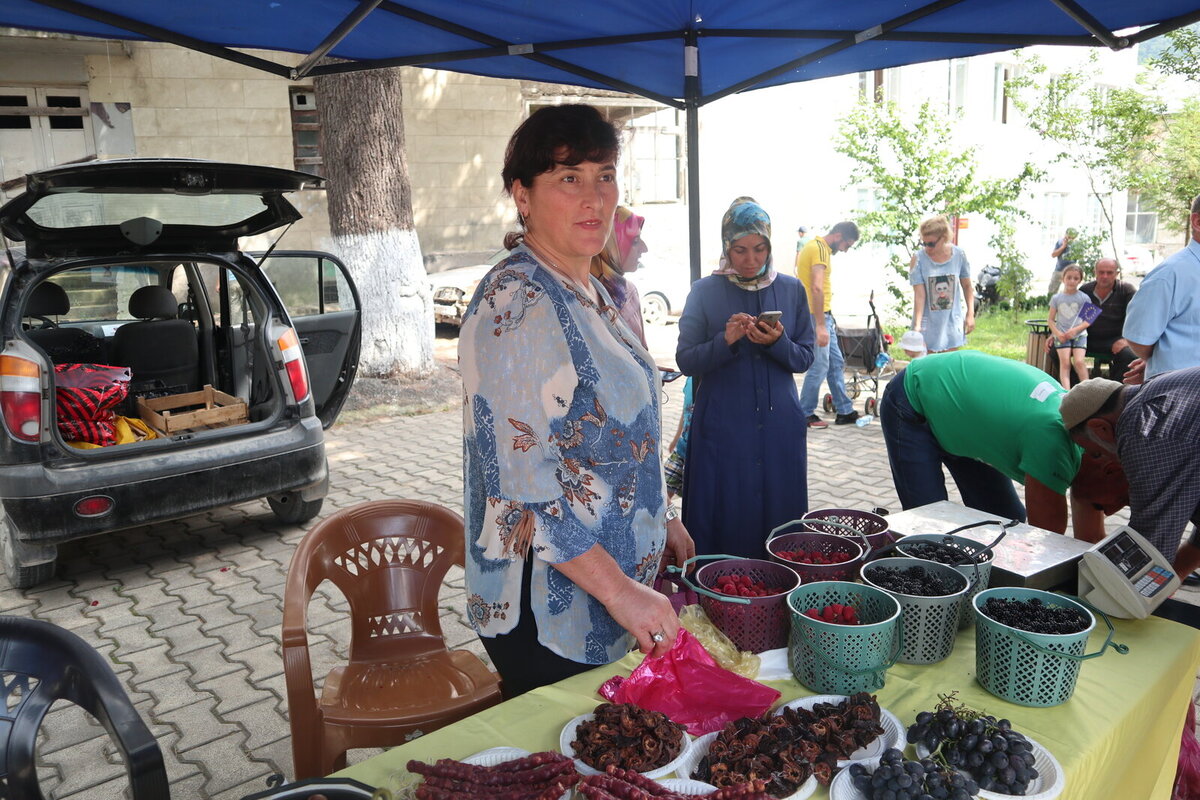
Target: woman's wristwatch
{"type": "Point", "coordinates": [671, 514]}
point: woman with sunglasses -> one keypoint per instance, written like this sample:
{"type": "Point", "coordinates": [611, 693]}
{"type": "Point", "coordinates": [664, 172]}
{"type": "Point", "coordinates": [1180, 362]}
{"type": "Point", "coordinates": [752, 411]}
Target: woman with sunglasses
{"type": "Point", "coordinates": [936, 272]}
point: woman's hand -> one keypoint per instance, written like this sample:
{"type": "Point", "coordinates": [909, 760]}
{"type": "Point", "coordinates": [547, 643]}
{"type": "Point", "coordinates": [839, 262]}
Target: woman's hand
{"type": "Point", "coordinates": [737, 326]}
{"type": "Point", "coordinates": [680, 546]}
{"type": "Point", "coordinates": [645, 612]}
{"type": "Point", "coordinates": [765, 333]}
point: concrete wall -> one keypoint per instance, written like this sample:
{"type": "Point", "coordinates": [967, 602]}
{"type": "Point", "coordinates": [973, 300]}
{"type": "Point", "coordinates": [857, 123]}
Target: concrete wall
{"type": "Point", "coordinates": [190, 105]}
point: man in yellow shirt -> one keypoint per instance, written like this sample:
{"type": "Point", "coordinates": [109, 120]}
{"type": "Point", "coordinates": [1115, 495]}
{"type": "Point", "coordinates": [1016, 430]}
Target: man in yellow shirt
{"type": "Point", "coordinates": [813, 268]}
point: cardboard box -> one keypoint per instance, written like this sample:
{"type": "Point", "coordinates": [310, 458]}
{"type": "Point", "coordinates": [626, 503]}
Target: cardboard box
{"type": "Point", "coordinates": [202, 410]}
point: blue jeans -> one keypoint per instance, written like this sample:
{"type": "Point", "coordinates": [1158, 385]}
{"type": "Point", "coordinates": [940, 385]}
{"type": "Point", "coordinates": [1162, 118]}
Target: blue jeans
{"type": "Point", "coordinates": [828, 365]}
{"type": "Point", "coordinates": [916, 459]}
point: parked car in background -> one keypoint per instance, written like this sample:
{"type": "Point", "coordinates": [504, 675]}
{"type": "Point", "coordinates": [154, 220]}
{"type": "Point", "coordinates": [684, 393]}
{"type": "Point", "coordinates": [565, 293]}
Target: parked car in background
{"type": "Point", "coordinates": [453, 289]}
{"type": "Point", "coordinates": [134, 264]}
{"type": "Point", "coordinates": [1135, 263]}
{"type": "Point", "coordinates": [663, 287]}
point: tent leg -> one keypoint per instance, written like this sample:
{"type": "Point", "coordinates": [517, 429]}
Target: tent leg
{"type": "Point", "coordinates": [691, 87]}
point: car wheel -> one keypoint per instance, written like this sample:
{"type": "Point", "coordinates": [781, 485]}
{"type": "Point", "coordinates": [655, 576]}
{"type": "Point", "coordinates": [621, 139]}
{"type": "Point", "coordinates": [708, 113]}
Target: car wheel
{"type": "Point", "coordinates": [20, 575]}
{"type": "Point", "coordinates": [655, 309]}
{"type": "Point", "coordinates": [293, 510]}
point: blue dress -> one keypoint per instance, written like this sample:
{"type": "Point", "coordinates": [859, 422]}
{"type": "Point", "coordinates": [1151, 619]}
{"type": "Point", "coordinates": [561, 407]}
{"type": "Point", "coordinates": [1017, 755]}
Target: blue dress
{"type": "Point", "coordinates": [747, 450]}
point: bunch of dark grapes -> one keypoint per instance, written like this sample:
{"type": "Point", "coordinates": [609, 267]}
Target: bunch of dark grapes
{"type": "Point", "coordinates": [951, 554]}
{"type": "Point", "coordinates": [898, 779]}
{"type": "Point", "coordinates": [914, 580]}
{"type": "Point", "coordinates": [998, 757]}
{"type": "Point", "coordinates": [1035, 616]}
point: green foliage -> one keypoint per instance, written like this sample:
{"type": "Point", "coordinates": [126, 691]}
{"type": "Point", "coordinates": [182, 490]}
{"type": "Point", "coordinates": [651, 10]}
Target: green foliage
{"type": "Point", "coordinates": [1088, 248]}
{"type": "Point", "coordinates": [918, 171]}
{"type": "Point", "coordinates": [1013, 282]}
{"type": "Point", "coordinates": [1182, 54]}
{"type": "Point", "coordinates": [1107, 132]}
{"type": "Point", "coordinates": [1171, 179]}
{"type": "Point", "coordinates": [998, 331]}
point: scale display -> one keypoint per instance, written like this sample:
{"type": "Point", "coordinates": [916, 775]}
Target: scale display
{"type": "Point", "coordinates": [1126, 576]}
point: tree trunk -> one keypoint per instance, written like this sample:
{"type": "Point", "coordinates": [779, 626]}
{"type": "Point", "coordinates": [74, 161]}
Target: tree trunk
{"type": "Point", "coordinates": [371, 218]}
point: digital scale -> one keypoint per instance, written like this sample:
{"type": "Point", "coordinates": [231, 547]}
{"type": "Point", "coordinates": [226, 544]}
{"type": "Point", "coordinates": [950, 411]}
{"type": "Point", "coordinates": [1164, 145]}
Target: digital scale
{"type": "Point", "coordinates": [1125, 576]}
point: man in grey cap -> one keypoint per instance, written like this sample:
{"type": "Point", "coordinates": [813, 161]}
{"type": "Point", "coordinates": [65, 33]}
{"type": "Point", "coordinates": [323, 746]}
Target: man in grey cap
{"type": "Point", "coordinates": [1153, 433]}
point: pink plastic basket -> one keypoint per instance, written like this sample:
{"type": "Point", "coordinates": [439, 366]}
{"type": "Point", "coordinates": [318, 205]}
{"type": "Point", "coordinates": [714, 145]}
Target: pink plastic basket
{"type": "Point", "coordinates": [752, 623]}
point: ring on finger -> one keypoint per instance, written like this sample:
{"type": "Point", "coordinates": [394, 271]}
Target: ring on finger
{"type": "Point", "coordinates": [657, 636]}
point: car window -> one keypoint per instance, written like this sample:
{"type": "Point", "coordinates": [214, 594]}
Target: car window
{"type": "Point", "coordinates": [72, 209]}
{"type": "Point", "coordinates": [309, 284]}
{"type": "Point", "coordinates": [102, 293]}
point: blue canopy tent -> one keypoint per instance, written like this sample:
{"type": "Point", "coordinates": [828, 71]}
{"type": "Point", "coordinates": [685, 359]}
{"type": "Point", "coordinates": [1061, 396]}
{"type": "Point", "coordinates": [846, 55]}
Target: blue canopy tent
{"type": "Point", "coordinates": [682, 53]}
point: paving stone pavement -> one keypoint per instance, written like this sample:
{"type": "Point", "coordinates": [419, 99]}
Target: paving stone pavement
{"type": "Point", "coordinates": [189, 612]}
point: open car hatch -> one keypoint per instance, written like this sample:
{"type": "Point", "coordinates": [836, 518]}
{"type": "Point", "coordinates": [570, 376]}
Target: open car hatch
{"type": "Point", "coordinates": [132, 206]}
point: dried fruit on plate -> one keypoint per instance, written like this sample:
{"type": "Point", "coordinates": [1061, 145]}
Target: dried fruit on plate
{"type": "Point", "coordinates": [629, 737]}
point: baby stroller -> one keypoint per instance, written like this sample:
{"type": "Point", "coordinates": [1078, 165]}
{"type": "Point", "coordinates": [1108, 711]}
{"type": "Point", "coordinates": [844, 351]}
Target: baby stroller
{"type": "Point", "coordinates": [867, 360]}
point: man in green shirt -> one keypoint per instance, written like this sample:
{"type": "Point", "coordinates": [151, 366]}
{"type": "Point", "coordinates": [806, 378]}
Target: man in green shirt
{"type": "Point", "coordinates": [991, 421]}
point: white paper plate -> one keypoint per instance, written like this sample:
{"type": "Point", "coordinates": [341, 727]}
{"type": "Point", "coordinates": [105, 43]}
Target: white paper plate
{"type": "Point", "coordinates": [893, 730]}
{"type": "Point", "coordinates": [568, 736]}
{"type": "Point", "coordinates": [843, 788]}
{"type": "Point", "coordinates": [1049, 783]}
{"type": "Point", "coordinates": [494, 756]}
{"type": "Point", "coordinates": [687, 786]}
{"type": "Point", "coordinates": [699, 750]}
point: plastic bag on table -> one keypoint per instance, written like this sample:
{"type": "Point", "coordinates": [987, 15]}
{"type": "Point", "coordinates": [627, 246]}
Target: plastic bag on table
{"type": "Point", "coordinates": [718, 645]}
{"type": "Point", "coordinates": [690, 687]}
{"type": "Point", "coordinates": [1187, 771]}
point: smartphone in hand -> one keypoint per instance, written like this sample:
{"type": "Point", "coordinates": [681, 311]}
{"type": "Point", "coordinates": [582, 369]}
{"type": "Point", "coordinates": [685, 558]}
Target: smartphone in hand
{"type": "Point", "coordinates": [769, 317]}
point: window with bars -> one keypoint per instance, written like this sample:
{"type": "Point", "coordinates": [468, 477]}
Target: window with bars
{"type": "Point", "coordinates": [654, 150]}
{"type": "Point", "coordinates": [306, 131]}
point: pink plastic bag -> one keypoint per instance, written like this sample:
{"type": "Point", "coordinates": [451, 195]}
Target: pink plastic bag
{"type": "Point", "coordinates": [1187, 774]}
{"type": "Point", "coordinates": [688, 686]}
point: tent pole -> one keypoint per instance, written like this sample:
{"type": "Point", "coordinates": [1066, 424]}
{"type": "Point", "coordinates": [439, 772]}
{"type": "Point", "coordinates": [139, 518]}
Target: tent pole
{"type": "Point", "coordinates": [691, 89]}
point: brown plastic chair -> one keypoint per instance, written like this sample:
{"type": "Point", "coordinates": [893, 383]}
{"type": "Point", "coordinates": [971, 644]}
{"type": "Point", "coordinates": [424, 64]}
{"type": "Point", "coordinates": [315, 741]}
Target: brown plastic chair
{"type": "Point", "coordinates": [388, 557]}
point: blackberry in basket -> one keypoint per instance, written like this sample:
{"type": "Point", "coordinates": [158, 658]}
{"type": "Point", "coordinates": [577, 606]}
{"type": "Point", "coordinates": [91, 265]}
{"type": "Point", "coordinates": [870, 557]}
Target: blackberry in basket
{"type": "Point", "coordinates": [942, 553]}
{"type": "Point", "coordinates": [913, 581]}
{"type": "Point", "coordinates": [1035, 616]}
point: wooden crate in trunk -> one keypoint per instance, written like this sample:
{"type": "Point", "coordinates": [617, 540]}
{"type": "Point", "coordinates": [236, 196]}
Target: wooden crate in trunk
{"type": "Point", "coordinates": [191, 411]}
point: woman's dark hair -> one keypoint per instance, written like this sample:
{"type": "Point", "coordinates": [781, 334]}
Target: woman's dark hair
{"type": "Point", "coordinates": [569, 134]}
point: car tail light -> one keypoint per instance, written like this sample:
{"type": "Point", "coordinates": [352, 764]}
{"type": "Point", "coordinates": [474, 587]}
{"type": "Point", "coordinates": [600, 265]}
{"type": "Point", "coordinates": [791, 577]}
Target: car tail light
{"type": "Point", "coordinates": [96, 505]}
{"type": "Point", "coordinates": [21, 397]}
{"type": "Point", "coordinates": [293, 362]}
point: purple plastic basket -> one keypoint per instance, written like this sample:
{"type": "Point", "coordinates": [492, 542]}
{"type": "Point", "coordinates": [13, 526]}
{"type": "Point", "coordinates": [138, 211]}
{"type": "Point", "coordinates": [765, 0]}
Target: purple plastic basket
{"type": "Point", "coordinates": [870, 525]}
{"type": "Point", "coordinates": [752, 623]}
{"type": "Point", "coordinates": [824, 543]}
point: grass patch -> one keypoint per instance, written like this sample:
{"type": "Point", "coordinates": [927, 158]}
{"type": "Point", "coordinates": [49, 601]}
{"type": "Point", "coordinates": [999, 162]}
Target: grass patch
{"type": "Point", "coordinates": [998, 332]}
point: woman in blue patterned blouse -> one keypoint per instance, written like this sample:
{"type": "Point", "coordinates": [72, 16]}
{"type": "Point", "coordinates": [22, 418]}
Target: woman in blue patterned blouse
{"type": "Point", "coordinates": [567, 521]}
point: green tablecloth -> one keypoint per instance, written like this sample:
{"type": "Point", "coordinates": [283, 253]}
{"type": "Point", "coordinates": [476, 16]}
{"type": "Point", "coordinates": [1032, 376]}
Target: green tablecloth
{"type": "Point", "coordinates": [1117, 737]}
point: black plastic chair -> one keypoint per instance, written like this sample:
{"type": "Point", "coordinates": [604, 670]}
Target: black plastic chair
{"type": "Point", "coordinates": [41, 663]}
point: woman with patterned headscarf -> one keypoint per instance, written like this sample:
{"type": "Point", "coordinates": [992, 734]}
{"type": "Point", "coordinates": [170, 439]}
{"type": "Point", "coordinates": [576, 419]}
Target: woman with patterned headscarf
{"type": "Point", "coordinates": [619, 257]}
{"type": "Point", "coordinates": [747, 450]}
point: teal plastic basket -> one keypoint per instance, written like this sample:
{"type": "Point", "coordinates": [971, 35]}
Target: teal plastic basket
{"type": "Point", "coordinates": [843, 659]}
{"type": "Point", "coordinates": [928, 625]}
{"type": "Point", "coordinates": [1032, 669]}
{"type": "Point", "coordinates": [968, 547]}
